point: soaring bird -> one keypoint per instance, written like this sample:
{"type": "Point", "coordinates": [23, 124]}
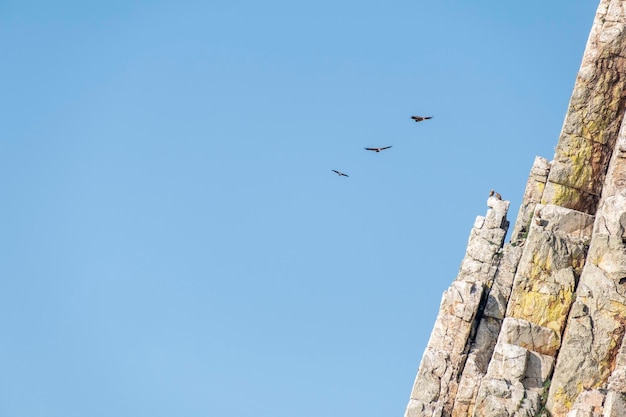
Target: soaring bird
{"type": "Point", "coordinates": [420, 118]}
{"type": "Point", "coordinates": [341, 174]}
{"type": "Point", "coordinates": [377, 149]}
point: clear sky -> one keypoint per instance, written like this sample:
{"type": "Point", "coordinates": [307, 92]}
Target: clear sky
{"type": "Point", "coordinates": [174, 242]}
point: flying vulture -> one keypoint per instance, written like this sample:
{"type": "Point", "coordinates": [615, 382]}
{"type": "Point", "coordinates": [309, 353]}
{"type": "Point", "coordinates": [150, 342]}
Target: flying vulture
{"type": "Point", "coordinates": [377, 149]}
{"type": "Point", "coordinates": [420, 118]}
{"type": "Point", "coordinates": [341, 174]}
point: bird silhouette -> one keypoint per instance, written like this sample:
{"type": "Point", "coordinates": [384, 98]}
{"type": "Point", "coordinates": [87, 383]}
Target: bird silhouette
{"type": "Point", "coordinates": [377, 149]}
{"type": "Point", "coordinates": [420, 118]}
{"type": "Point", "coordinates": [341, 174]}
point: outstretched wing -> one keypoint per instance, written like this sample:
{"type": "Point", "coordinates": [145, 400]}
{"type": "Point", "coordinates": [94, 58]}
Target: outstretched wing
{"type": "Point", "coordinates": [372, 149]}
{"type": "Point", "coordinates": [341, 174]}
{"type": "Point", "coordinates": [420, 118]}
{"type": "Point", "coordinates": [386, 147]}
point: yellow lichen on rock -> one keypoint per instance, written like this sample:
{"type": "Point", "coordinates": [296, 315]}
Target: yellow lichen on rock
{"type": "Point", "coordinates": [540, 267]}
{"type": "Point", "coordinates": [544, 308]}
{"type": "Point", "coordinates": [562, 195]}
{"type": "Point", "coordinates": [564, 399]}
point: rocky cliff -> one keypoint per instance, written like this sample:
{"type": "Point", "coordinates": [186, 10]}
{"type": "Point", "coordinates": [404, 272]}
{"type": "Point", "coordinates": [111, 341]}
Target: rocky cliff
{"type": "Point", "coordinates": [535, 327]}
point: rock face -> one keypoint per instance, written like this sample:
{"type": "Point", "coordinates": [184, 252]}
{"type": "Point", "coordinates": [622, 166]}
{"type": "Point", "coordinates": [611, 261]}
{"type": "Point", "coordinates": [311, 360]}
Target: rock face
{"type": "Point", "coordinates": [535, 327]}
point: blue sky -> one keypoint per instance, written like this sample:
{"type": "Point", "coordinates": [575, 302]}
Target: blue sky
{"type": "Point", "coordinates": [174, 242]}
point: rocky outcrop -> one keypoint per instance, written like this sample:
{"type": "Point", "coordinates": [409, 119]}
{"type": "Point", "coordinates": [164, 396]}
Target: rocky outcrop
{"type": "Point", "coordinates": [597, 323]}
{"type": "Point", "coordinates": [536, 327]}
{"type": "Point", "coordinates": [445, 356]}
{"type": "Point", "coordinates": [594, 116]}
{"type": "Point", "coordinates": [542, 295]}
